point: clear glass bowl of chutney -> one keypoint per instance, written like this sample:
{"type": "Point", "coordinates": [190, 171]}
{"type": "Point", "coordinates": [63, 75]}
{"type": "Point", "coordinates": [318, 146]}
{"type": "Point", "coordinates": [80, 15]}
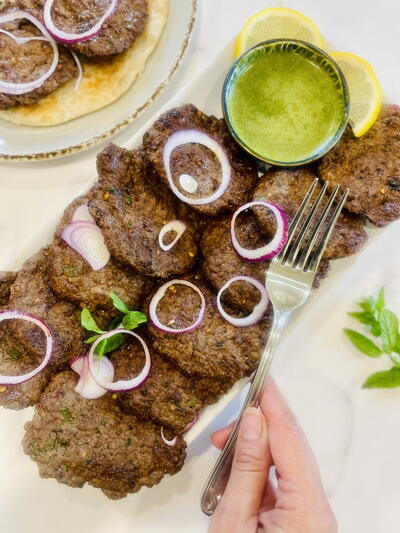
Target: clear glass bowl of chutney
{"type": "Point", "coordinates": [286, 102]}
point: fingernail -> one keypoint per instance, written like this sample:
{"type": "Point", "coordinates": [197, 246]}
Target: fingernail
{"type": "Point", "coordinates": [251, 425]}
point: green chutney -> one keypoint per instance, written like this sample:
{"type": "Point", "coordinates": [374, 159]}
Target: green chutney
{"type": "Point", "coordinates": [286, 102]}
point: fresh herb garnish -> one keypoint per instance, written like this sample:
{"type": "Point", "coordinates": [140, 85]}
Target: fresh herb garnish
{"type": "Point", "coordinates": [67, 415]}
{"type": "Point", "coordinates": [14, 354]}
{"type": "Point", "coordinates": [129, 320]}
{"type": "Point", "coordinates": [383, 324]}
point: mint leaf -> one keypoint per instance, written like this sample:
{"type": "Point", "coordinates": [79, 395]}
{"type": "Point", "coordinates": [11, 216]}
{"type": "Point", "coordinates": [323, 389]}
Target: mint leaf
{"type": "Point", "coordinates": [363, 344]}
{"type": "Point", "coordinates": [91, 339]}
{"type": "Point", "coordinates": [388, 379]}
{"type": "Point", "coordinates": [133, 319]}
{"type": "Point", "coordinates": [389, 329]}
{"type": "Point", "coordinates": [118, 303]}
{"type": "Point", "coordinates": [364, 317]}
{"type": "Point", "coordinates": [115, 323]}
{"type": "Point", "coordinates": [88, 322]}
{"type": "Point", "coordinates": [380, 301]}
{"type": "Point", "coordinates": [110, 344]}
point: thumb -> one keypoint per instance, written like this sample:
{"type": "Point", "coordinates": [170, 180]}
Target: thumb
{"type": "Point", "coordinates": [242, 499]}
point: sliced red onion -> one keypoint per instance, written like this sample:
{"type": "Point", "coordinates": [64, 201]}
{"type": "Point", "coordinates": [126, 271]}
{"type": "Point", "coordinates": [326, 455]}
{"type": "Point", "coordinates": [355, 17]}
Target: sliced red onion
{"type": "Point", "coordinates": [87, 386]}
{"type": "Point", "coordinates": [160, 294]}
{"type": "Point", "coordinates": [22, 40]}
{"type": "Point", "coordinates": [22, 88]}
{"type": "Point", "coordinates": [87, 239]}
{"type": "Point", "coordinates": [258, 311]}
{"type": "Point", "coordinates": [178, 227]}
{"type": "Point", "coordinates": [82, 214]}
{"type": "Point", "coordinates": [190, 425]}
{"type": "Point", "coordinates": [68, 37]}
{"type": "Point", "coordinates": [120, 385]}
{"type": "Point", "coordinates": [166, 441]}
{"type": "Point", "coordinates": [195, 136]}
{"type": "Point", "coordinates": [274, 246]}
{"type": "Point", "coordinates": [80, 70]}
{"type": "Point", "coordinates": [77, 364]}
{"type": "Point", "coordinates": [11, 315]}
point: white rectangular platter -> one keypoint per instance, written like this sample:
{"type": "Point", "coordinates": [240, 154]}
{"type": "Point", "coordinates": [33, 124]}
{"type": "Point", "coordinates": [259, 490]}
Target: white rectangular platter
{"type": "Point", "coordinates": [28, 503]}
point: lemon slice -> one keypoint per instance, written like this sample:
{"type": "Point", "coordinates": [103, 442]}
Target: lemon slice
{"type": "Point", "coordinates": [276, 23]}
{"type": "Point", "coordinates": [365, 91]}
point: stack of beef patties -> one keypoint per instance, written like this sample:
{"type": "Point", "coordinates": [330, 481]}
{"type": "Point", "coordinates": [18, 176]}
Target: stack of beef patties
{"type": "Point", "coordinates": [115, 442]}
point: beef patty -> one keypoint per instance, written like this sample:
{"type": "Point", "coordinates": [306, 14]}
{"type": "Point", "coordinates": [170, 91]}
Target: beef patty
{"type": "Point", "coordinates": [221, 262]}
{"type": "Point", "coordinates": [24, 63]}
{"type": "Point", "coordinates": [31, 294]}
{"type": "Point", "coordinates": [287, 188]}
{"type": "Point", "coordinates": [198, 161]}
{"type": "Point", "coordinates": [117, 33]}
{"type": "Point", "coordinates": [370, 167]}
{"type": "Point", "coordinates": [72, 278]}
{"type": "Point", "coordinates": [167, 397]}
{"type": "Point", "coordinates": [214, 349]}
{"type": "Point", "coordinates": [77, 441]}
{"type": "Point", "coordinates": [15, 360]}
{"type": "Point", "coordinates": [131, 216]}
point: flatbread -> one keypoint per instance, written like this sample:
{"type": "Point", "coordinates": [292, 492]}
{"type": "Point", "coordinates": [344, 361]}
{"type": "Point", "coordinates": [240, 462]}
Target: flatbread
{"type": "Point", "coordinates": [102, 83]}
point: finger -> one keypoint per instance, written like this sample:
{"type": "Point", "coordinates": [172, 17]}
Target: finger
{"type": "Point", "coordinates": [241, 501]}
{"type": "Point", "coordinates": [290, 450]}
{"type": "Point", "coordinates": [269, 499]}
{"type": "Point", "coordinates": [219, 438]}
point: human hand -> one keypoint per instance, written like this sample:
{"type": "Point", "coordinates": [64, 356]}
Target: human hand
{"type": "Point", "coordinates": [251, 503]}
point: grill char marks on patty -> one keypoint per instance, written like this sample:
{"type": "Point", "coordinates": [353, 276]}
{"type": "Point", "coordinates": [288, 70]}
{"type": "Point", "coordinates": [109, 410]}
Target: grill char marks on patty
{"type": "Point", "coordinates": [131, 215]}
{"type": "Point", "coordinates": [31, 60]}
{"type": "Point", "coordinates": [370, 167]}
{"type": "Point", "coordinates": [77, 441]}
{"type": "Point", "coordinates": [72, 278]}
{"type": "Point", "coordinates": [287, 188]}
{"type": "Point", "coordinates": [198, 161]}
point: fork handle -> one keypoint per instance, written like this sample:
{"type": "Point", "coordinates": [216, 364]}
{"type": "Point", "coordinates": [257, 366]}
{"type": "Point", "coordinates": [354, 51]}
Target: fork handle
{"type": "Point", "coordinates": [218, 479]}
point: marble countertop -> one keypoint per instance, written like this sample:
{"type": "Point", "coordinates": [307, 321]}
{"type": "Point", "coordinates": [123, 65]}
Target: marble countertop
{"type": "Point", "coordinates": [355, 433]}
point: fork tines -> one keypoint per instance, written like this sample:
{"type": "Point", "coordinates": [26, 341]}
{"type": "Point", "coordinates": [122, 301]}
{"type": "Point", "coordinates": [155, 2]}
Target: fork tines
{"type": "Point", "coordinates": [307, 240]}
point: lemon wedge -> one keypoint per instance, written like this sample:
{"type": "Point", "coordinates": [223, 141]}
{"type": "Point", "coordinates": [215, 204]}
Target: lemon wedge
{"type": "Point", "coordinates": [276, 23]}
{"type": "Point", "coordinates": [365, 91]}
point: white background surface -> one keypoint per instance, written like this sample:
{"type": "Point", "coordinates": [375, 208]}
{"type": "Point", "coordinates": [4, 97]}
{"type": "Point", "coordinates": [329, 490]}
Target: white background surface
{"type": "Point", "coordinates": [355, 433]}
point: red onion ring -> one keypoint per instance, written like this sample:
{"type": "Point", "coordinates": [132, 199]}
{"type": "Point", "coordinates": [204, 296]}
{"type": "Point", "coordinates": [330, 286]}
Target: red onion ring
{"type": "Point", "coordinates": [80, 70]}
{"type": "Point", "coordinates": [121, 384]}
{"type": "Point", "coordinates": [190, 425]}
{"type": "Point", "coordinates": [22, 88]}
{"type": "Point", "coordinates": [16, 380]}
{"type": "Point", "coordinates": [195, 136]}
{"type": "Point", "coordinates": [172, 442]}
{"type": "Point", "coordinates": [174, 225]}
{"type": "Point", "coordinates": [160, 294]}
{"type": "Point", "coordinates": [273, 247]}
{"type": "Point", "coordinates": [70, 38]}
{"type": "Point", "coordinates": [87, 239]}
{"type": "Point", "coordinates": [166, 441]}
{"type": "Point", "coordinates": [82, 214]}
{"type": "Point", "coordinates": [258, 312]}
{"type": "Point", "coordinates": [87, 386]}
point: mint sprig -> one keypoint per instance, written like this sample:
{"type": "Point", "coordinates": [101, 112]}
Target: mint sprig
{"type": "Point", "coordinates": [383, 324]}
{"type": "Point", "coordinates": [129, 320]}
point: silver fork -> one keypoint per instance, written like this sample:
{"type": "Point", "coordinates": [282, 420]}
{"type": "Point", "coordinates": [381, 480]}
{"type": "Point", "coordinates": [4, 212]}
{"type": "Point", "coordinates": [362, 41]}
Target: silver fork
{"type": "Point", "coordinates": [289, 281]}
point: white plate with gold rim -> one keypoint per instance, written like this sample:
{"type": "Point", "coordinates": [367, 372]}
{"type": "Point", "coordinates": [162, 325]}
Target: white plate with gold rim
{"type": "Point", "coordinates": [25, 143]}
